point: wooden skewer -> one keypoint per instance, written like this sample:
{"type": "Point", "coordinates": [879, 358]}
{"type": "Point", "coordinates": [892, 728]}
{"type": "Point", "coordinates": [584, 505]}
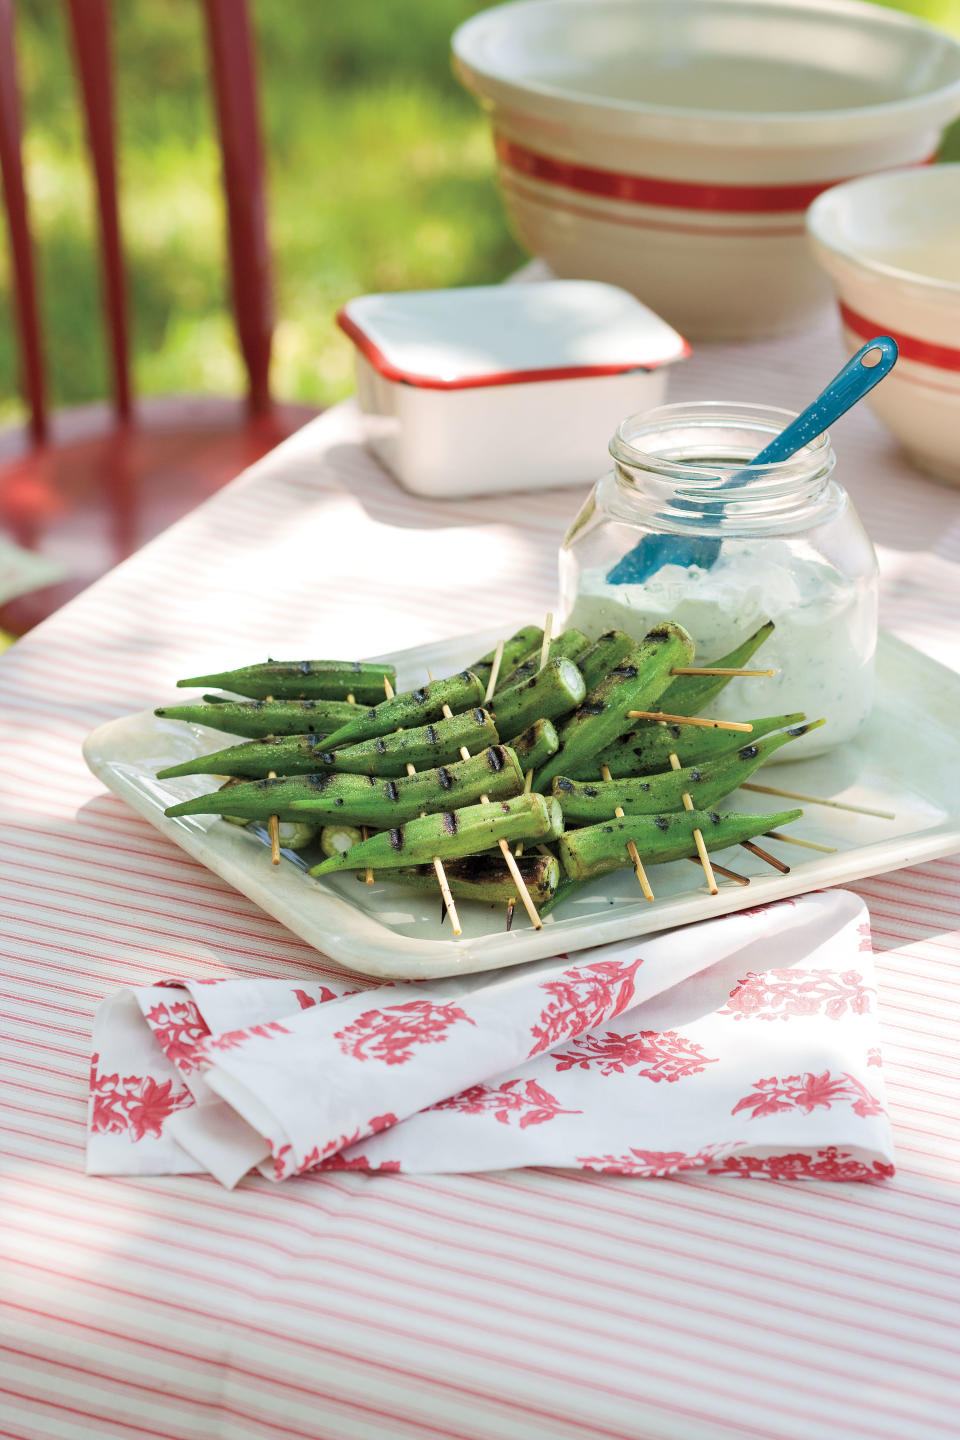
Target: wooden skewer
{"type": "Point", "coordinates": [273, 823]}
{"type": "Point", "coordinates": [491, 686]}
{"type": "Point", "coordinates": [716, 670]}
{"type": "Point", "coordinates": [364, 830]}
{"type": "Point", "coordinates": [512, 902]}
{"type": "Point", "coordinates": [505, 850]}
{"type": "Point", "coordinates": [765, 855]}
{"type": "Point", "coordinates": [722, 870]}
{"type": "Point", "coordinates": [494, 673]}
{"type": "Point", "coordinates": [712, 885]}
{"type": "Point", "coordinates": [449, 903]}
{"type": "Point", "coordinates": [632, 851]}
{"type": "Point", "coordinates": [818, 800]}
{"type": "Point", "coordinates": [273, 827]}
{"type": "Point", "coordinates": [795, 840]}
{"type": "Point", "coordinates": [547, 635]}
{"type": "Point", "coordinates": [689, 720]}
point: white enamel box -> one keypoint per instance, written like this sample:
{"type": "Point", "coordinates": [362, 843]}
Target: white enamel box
{"type": "Point", "coordinates": [504, 387]}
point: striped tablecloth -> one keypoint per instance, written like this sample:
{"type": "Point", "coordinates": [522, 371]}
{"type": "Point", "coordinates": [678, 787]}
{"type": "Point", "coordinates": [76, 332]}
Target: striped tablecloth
{"type": "Point", "coordinates": [527, 1305]}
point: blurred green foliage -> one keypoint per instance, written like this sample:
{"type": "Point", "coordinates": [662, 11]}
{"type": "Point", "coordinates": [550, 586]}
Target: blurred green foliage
{"type": "Point", "coordinates": [380, 175]}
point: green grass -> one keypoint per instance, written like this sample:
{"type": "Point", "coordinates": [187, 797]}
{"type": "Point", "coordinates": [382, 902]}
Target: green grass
{"type": "Point", "coordinates": [380, 177]}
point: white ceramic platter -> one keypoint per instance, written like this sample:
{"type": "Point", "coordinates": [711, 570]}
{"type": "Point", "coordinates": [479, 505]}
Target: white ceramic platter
{"type": "Point", "coordinates": [907, 760]}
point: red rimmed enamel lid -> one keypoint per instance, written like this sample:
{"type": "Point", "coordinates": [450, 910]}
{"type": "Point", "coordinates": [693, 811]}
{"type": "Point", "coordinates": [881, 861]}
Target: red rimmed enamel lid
{"type": "Point", "coordinates": [508, 334]}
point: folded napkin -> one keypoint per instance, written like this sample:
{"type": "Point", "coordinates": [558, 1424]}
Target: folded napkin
{"type": "Point", "coordinates": [745, 1045]}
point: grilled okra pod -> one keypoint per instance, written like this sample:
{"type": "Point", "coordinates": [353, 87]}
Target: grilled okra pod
{"type": "Point", "coordinates": [486, 877]}
{"type": "Point", "coordinates": [603, 656]}
{"type": "Point", "coordinates": [452, 834]}
{"type": "Point", "coordinates": [334, 839]}
{"type": "Point", "coordinates": [304, 680]}
{"type": "Point", "coordinates": [424, 747]}
{"type": "Point", "coordinates": [647, 750]}
{"type": "Point", "coordinates": [689, 694]}
{"type": "Point", "coordinates": [554, 691]}
{"type": "Point", "coordinates": [534, 746]}
{"type": "Point", "coordinates": [363, 799]}
{"type": "Point", "coordinates": [259, 718]}
{"type": "Point", "coordinates": [570, 645]}
{"type": "Point", "coordinates": [589, 853]}
{"type": "Point", "coordinates": [514, 650]}
{"type": "Point", "coordinates": [586, 802]}
{"type": "Point", "coordinates": [411, 708]}
{"type": "Point", "coordinates": [635, 684]}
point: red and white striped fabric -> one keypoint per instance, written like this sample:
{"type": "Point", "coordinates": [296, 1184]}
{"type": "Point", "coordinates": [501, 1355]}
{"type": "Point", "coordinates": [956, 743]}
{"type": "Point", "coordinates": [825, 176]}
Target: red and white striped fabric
{"type": "Point", "coordinates": [768, 1068]}
{"type": "Point", "coordinates": [514, 1305]}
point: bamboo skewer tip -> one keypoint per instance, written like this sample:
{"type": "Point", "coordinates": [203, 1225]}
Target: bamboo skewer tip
{"type": "Point", "coordinates": [273, 829]}
{"type": "Point", "coordinates": [805, 844]}
{"type": "Point", "coordinates": [547, 636]}
{"type": "Point", "coordinates": [450, 905]}
{"type": "Point", "coordinates": [818, 800]}
{"type": "Point", "coordinates": [505, 850]}
{"type": "Point", "coordinates": [729, 671]}
{"type": "Point", "coordinates": [632, 850]}
{"type": "Point", "coordinates": [701, 720]}
{"type": "Point", "coordinates": [698, 839]}
{"type": "Point", "coordinates": [494, 673]}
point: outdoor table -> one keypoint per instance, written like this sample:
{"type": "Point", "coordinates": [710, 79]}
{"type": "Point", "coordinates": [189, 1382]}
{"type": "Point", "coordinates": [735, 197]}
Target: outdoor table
{"type": "Point", "coordinates": [526, 1304]}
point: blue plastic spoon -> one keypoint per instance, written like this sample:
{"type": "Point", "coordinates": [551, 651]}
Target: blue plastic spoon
{"type": "Point", "coordinates": [855, 380]}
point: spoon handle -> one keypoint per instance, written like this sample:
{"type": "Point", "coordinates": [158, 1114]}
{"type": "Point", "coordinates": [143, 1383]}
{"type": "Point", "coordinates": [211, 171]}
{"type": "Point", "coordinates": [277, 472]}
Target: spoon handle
{"type": "Point", "coordinates": [854, 381]}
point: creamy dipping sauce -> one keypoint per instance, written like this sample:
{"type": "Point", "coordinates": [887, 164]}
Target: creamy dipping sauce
{"type": "Point", "coordinates": [822, 648]}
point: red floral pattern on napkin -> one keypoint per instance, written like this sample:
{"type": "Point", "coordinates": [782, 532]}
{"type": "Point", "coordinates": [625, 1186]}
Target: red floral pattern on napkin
{"type": "Point", "coordinates": [665, 1056]}
{"type": "Point", "coordinates": [526, 1102]}
{"type": "Point", "coordinates": [806, 1092]}
{"type": "Point", "coordinates": [392, 1034]}
{"type": "Point", "coordinates": [136, 1105]}
{"type": "Point", "coordinates": [779, 994]}
{"type": "Point", "coordinates": [583, 997]}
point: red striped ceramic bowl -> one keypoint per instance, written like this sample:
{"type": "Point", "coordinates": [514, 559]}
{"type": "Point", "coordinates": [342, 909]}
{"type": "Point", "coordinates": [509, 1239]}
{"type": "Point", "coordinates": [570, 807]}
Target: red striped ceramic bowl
{"type": "Point", "coordinates": [673, 148]}
{"type": "Point", "coordinates": [891, 245]}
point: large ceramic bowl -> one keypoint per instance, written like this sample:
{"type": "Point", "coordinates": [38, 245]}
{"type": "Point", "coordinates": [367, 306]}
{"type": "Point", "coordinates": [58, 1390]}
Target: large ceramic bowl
{"type": "Point", "coordinates": [672, 148]}
{"type": "Point", "coordinates": [891, 245]}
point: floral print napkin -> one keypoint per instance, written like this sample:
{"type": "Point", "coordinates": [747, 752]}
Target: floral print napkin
{"type": "Point", "coordinates": [745, 1045]}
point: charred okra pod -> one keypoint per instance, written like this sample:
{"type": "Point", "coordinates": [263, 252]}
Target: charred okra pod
{"type": "Point", "coordinates": [598, 849]}
{"type": "Point", "coordinates": [486, 877]}
{"type": "Point", "coordinates": [603, 656]}
{"type": "Point", "coordinates": [424, 747]}
{"type": "Point", "coordinates": [452, 834]}
{"type": "Point", "coordinates": [635, 684]}
{"type": "Point", "coordinates": [411, 708]}
{"type": "Point", "coordinates": [363, 799]}
{"type": "Point", "coordinates": [570, 645]}
{"type": "Point", "coordinates": [304, 680]}
{"type": "Point", "coordinates": [534, 746]}
{"type": "Point", "coordinates": [689, 694]}
{"type": "Point", "coordinates": [259, 718]}
{"type": "Point", "coordinates": [587, 802]}
{"type": "Point", "coordinates": [554, 691]}
{"type": "Point", "coordinates": [647, 750]}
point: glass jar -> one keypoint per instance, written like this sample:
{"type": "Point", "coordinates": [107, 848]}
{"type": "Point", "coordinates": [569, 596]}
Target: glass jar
{"type": "Point", "coordinates": [784, 543]}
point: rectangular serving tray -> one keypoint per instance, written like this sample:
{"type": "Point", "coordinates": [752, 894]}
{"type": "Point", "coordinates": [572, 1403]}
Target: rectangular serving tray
{"type": "Point", "coordinates": [906, 760]}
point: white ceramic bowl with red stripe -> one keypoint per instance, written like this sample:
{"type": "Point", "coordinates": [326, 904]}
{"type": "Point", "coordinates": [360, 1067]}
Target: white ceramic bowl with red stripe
{"type": "Point", "coordinates": [673, 148]}
{"type": "Point", "coordinates": [891, 245]}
